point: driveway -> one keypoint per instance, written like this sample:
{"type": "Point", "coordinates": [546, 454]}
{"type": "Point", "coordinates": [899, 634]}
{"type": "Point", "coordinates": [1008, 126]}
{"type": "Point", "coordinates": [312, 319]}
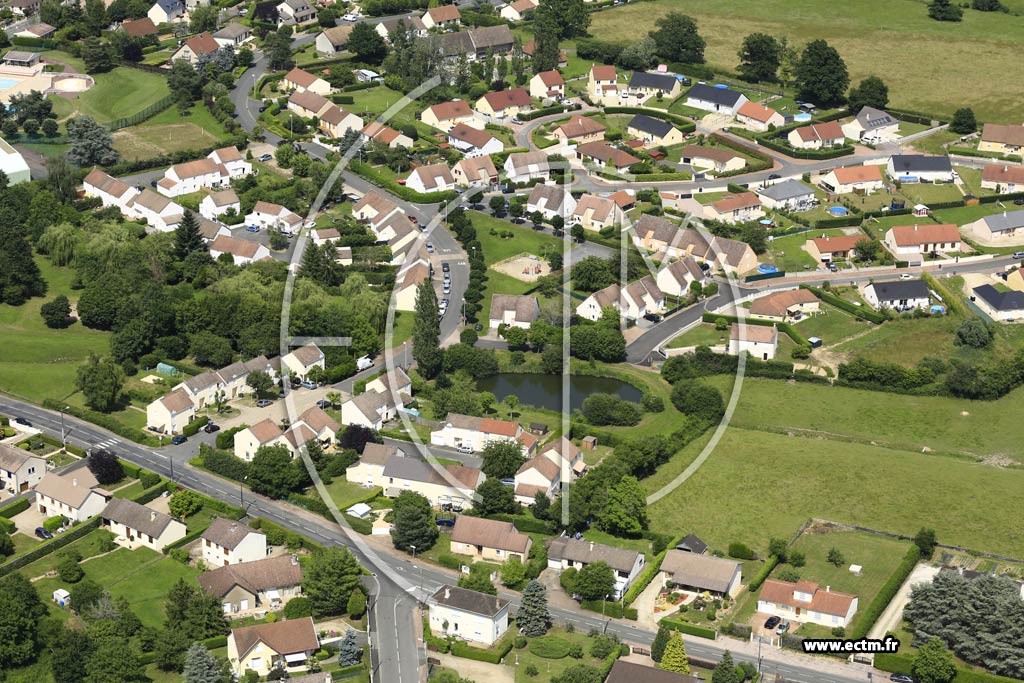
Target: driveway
{"type": "Point", "coordinates": [644, 605]}
{"type": "Point", "coordinates": [893, 614]}
{"type": "Point", "coordinates": [29, 520]}
{"type": "Point", "coordinates": [477, 671]}
{"type": "Point", "coordinates": [249, 414]}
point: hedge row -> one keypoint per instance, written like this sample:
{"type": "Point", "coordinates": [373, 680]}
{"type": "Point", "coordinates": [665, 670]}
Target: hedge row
{"type": "Point", "coordinates": [491, 656]}
{"type": "Point", "coordinates": [648, 574]}
{"type": "Point", "coordinates": [7, 526]}
{"type": "Point", "coordinates": [610, 609]}
{"type": "Point", "coordinates": [826, 153]}
{"type": "Point", "coordinates": [901, 664]}
{"type": "Point", "coordinates": [266, 525]}
{"type": "Point", "coordinates": [760, 577]}
{"type": "Point", "coordinates": [842, 304]}
{"type": "Point", "coordinates": [785, 328]}
{"type": "Point", "coordinates": [193, 427]}
{"type": "Point", "coordinates": [183, 541]}
{"type": "Point", "coordinates": [886, 593]}
{"type": "Point", "coordinates": [995, 156]}
{"type": "Point", "coordinates": [527, 525]}
{"type": "Point", "coordinates": [684, 124]}
{"type": "Point", "coordinates": [353, 87]}
{"type": "Point", "coordinates": [366, 171]}
{"type": "Point", "coordinates": [102, 420]}
{"type": "Point", "coordinates": [48, 547]}
{"type": "Point", "coordinates": [15, 508]}
{"type": "Point", "coordinates": [538, 113]}
{"type": "Point", "coordinates": [128, 167]}
{"type": "Point", "coordinates": [690, 629]}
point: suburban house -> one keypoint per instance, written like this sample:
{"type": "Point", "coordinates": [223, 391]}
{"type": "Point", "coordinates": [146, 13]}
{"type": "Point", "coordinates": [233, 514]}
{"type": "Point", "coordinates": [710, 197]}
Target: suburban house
{"type": "Point", "coordinates": [899, 295]}
{"type": "Point", "coordinates": [274, 216]}
{"type": "Point", "coordinates": [374, 208]}
{"type": "Point", "coordinates": [1002, 178]}
{"type": "Point", "coordinates": [71, 494]}
{"type": "Point", "coordinates": [489, 540]}
{"type": "Point", "coordinates": [335, 122]}
{"type": "Point", "coordinates": [332, 41]}
{"type": "Point", "coordinates": [631, 672]}
{"type": "Point", "coordinates": [160, 213]}
{"type": "Point", "coordinates": [390, 137]}
{"type": "Point", "coordinates": [196, 47]}
{"type": "Point", "coordinates": [266, 432]}
{"type": "Point", "coordinates": [504, 103]}
{"type": "Point", "coordinates": [603, 82]}
{"type": "Point", "coordinates": [579, 130]}
{"type": "Point", "coordinates": [547, 85]}
{"type": "Point", "coordinates": [1001, 139]}
{"type": "Point", "coordinates": [299, 80]}
{"type": "Point", "coordinates": [871, 123]}
{"type": "Point", "coordinates": [233, 35]}
{"type": "Point", "coordinates": [294, 12]}
{"type": "Point", "coordinates": [785, 305]}
{"type": "Point", "coordinates": [645, 85]}
{"type": "Point", "coordinates": [242, 252]}
{"type": "Point", "coordinates": [263, 584]}
{"type": "Point", "coordinates": [675, 278]}
{"type": "Point", "coordinates": [603, 154]}
{"type": "Point", "coordinates": [211, 230]}
{"type": "Point", "coordinates": [913, 168]}
{"type": "Point", "coordinates": [24, 8]}
{"type": "Point", "coordinates": [409, 278]}
{"type": "Point", "coordinates": [805, 602]}
{"type": "Point", "coordinates": [227, 541]}
{"type": "Point", "coordinates": [136, 526]}
{"type": "Point", "coordinates": [914, 241]}
{"type": "Point", "coordinates": [719, 159]}
{"type": "Point", "coordinates": [447, 115]}
{"type": "Point", "coordinates": [595, 213]}
{"type": "Point", "coordinates": [214, 170]}
{"type": "Point", "coordinates": [719, 100]}
{"type": "Point", "coordinates": [368, 471]}
{"type": "Point", "coordinates": [469, 615]}
{"type": "Point", "coordinates": [516, 11]}
{"type": "Point", "coordinates": [443, 16]}
{"type": "Point", "coordinates": [653, 132]}
{"type": "Point", "coordinates": [453, 486]}
{"type": "Point", "coordinates": [759, 117]}
{"type": "Point", "coordinates": [110, 190]}
{"type": "Point", "coordinates": [637, 299]}
{"type": "Point", "coordinates": [827, 249]}
{"type": "Point", "coordinates": [41, 31]}
{"type": "Point", "coordinates": [370, 409]}
{"type": "Point", "coordinates": [737, 208]}
{"type": "Point", "coordinates": [139, 28]}
{"type": "Point", "coordinates": [513, 310]}
{"type": "Point", "coordinates": [303, 359]}
{"type": "Point", "coordinates": [475, 172]}
{"type": "Point", "coordinates": [475, 44]}
{"type": "Point", "coordinates": [817, 136]}
{"type": "Point", "coordinates": [431, 178]}
{"type": "Point", "coordinates": [999, 226]}
{"type": "Point", "coordinates": [847, 179]}
{"type": "Point", "coordinates": [537, 475]}
{"type": "Point", "coordinates": [550, 201]}
{"type": "Point", "coordinates": [164, 11]}
{"type": "Point", "coordinates": [661, 236]}
{"type": "Point", "coordinates": [474, 433]}
{"type": "Point", "coordinates": [216, 204]}
{"type": "Point", "coordinates": [264, 647]}
{"type": "Point", "coordinates": [308, 104]}
{"type": "Point", "coordinates": [474, 142]}
{"type": "Point", "coordinates": [565, 552]}
{"type": "Point", "coordinates": [521, 167]}
{"type": "Point", "coordinates": [565, 450]}
{"type": "Point", "coordinates": [699, 573]}
{"type": "Point", "coordinates": [791, 195]}
{"type": "Point", "coordinates": [411, 24]}
{"type": "Point", "coordinates": [322, 236]}
{"type": "Point", "coordinates": [395, 380]}
{"type": "Point", "coordinates": [760, 341]}
{"type": "Point", "coordinates": [19, 469]}
{"type": "Point", "coordinates": [1005, 306]}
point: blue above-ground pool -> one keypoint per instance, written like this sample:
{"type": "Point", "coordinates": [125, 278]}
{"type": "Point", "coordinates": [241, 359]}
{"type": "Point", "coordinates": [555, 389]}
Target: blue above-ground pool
{"type": "Point", "coordinates": [802, 117]}
{"type": "Point", "coordinates": [766, 268]}
{"type": "Point", "coordinates": [838, 211]}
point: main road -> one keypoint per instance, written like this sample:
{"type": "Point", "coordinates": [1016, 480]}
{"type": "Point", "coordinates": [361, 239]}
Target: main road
{"type": "Point", "coordinates": [397, 584]}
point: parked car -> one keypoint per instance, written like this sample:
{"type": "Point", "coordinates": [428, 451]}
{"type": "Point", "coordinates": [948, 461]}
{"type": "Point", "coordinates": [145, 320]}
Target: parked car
{"type": "Point", "coordinates": [902, 678]}
{"type": "Point", "coordinates": [179, 439]}
{"type": "Point", "coordinates": [22, 421]}
{"type": "Point", "coordinates": [445, 522]}
{"type": "Point", "coordinates": [464, 448]}
{"type": "Point", "coordinates": [252, 228]}
{"type": "Point", "coordinates": [906, 276]}
{"type": "Point", "coordinates": [445, 267]}
{"type": "Point", "coordinates": [772, 622]}
{"type": "Point", "coordinates": [508, 481]}
{"type": "Point", "coordinates": [833, 267]}
{"type": "Point", "coordinates": [210, 428]}
{"type": "Point", "coordinates": [349, 17]}
{"type": "Point", "coordinates": [430, 247]}
{"type": "Point", "coordinates": [43, 533]}
{"type": "Point", "coordinates": [653, 317]}
{"type": "Point", "coordinates": [1018, 254]}
{"type": "Point", "coordinates": [263, 108]}
{"type": "Point", "coordinates": [264, 403]}
{"type": "Point", "coordinates": [308, 385]}
{"type": "Point", "coordinates": [266, 156]}
{"type": "Point", "coordinates": [447, 287]}
{"type": "Point", "coordinates": [323, 404]}
{"type": "Point", "coordinates": [783, 627]}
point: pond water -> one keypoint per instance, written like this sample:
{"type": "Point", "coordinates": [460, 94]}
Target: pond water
{"type": "Point", "coordinates": [545, 391]}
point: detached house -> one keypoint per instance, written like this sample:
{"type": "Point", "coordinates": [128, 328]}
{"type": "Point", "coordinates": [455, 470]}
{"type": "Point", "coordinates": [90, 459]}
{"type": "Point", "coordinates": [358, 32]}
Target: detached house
{"type": "Point", "coordinates": [242, 252]}
{"type": "Point", "coordinates": [489, 540]}
{"type": "Point", "coordinates": [163, 11]}
{"type": "Point", "coordinates": [653, 132]}
{"type": "Point", "coordinates": [275, 217]}
{"type": "Point", "coordinates": [629, 672]}
{"type": "Point", "coordinates": [299, 80]}
{"type": "Point", "coordinates": [469, 615]}
{"type": "Point", "coordinates": [504, 103]}
{"type": "Point", "coordinates": [196, 47]}
{"type": "Point", "coordinates": [782, 306]}
{"type": "Point", "coordinates": [443, 16]}
{"type": "Point", "coordinates": [390, 137]}
{"type": "Point", "coordinates": [521, 167]}
{"type": "Point", "coordinates": [595, 213]}
{"type": "Point", "coordinates": [537, 475]}
{"type": "Point", "coordinates": [760, 341]}
{"type": "Point", "coordinates": [474, 142]}
{"type": "Point", "coordinates": [1001, 139]}
{"type": "Point", "coordinates": [160, 213]}
{"type": "Point", "coordinates": [516, 11]}
{"type": "Point", "coordinates": [550, 201]}
{"type": "Point", "coordinates": [675, 278]}
{"type": "Point", "coordinates": [1006, 306]}
{"type": "Point", "coordinates": [475, 172]}
{"type": "Point", "coordinates": [603, 154]}
{"type": "Point", "coordinates": [171, 412]}
{"type": "Point", "coordinates": [865, 179]}
{"type": "Point", "coordinates": [368, 471]}
{"type": "Point", "coordinates": [789, 194]}
{"type": "Point", "coordinates": [565, 553]}
{"type": "Point", "coordinates": [19, 469]}
{"type": "Point", "coordinates": [308, 104]}
{"type": "Point", "coordinates": [914, 241]}
{"type": "Point", "coordinates": [871, 124]}
{"type": "Point", "coordinates": [827, 249]}
{"type": "Point", "coordinates": [263, 584]}
{"type": "Point", "coordinates": [698, 573]}
{"type": "Point", "coordinates": [913, 168]}
{"type": "Point", "coordinates": [303, 359]}
{"type": "Point", "coordinates": [513, 310]}
{"type": "Point", "coordinates": [294, 12]}
{"type": "Point", "coordinates": [227, 541]}
{"type": "Point", "coordinates": [759, 117]}
{"type": "Point", "coordinates": [72, 494]}
{"type": "Point", "coordinates": [634, 302]}
{"type": "Point", "coordinates": [999, 226]}
{"type": "Point", "coordinates": [447, 115]}
{"type": "Point", "coordinates": [370, 409]}
{"type": "Point", "coordinates": [288, 645]}
{"type": "Point", "coordinates": [139, 28]}
{"type": "Point", "coordinates": [603, 83]}
{"type": "Point", "coordinates": [817, 136]}
{"type": "Point", "coordinates": [718, 100]}
{"type": "Point", "coordinates": [332, 41]}
{"type": "Point", "coordinates": [644, 85]}
{"type": "Point", "coordinates": [455, 485]}
{"type": "Point", "coordinates": [216, 169]}
{"type": "Point", "coordinates": [217, 204]}
{"type": "Point", "coordinates": [805, 602]}
{"type": "Point", "coordinates": [465, 431]}
{"type": "Point", "coordinates": [547, 85]}
{"type": "Point", "coordinates": [1002, 178]}
{"type": "Point", "coordinates": [579, 130]}
{"type": "Point", "coordinates": [430, 178]}
{"type": "Point", "coordinates": [374, 208]}
{"type": "Point", "coordinates": [737, 208]}
{"type": "Point", "coordinates": [718, 159]}
{"type": "Point", "coordinates": [135, 525]}
{"type": "Point", "coordinates": [266, 432]}
{"type": "Point", "coordinates": [411, 24]}
{"type": "Point", "coordinates": [335, 122]}
{"type": "Point", "coordinates": [233, 35]}
{"type": "Point", "coordinates": [899, 295]}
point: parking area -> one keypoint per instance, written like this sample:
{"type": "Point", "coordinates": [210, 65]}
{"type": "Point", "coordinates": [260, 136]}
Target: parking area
{"type": "Point", "coordinates": [249, 414]}
{"type": "Point", "coordinates": [29, 520]}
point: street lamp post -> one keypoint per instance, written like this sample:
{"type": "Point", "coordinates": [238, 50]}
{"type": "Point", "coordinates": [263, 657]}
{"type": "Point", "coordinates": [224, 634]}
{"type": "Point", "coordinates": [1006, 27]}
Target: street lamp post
{"type": "Point", "coordinates": [63, 435]}
{"type": "Point", "coordinates": [241, 489]}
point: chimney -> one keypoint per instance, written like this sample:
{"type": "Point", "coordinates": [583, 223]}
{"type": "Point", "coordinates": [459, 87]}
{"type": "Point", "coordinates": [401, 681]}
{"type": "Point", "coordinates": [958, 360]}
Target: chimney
{"type": "Point", "coordinates": [233, 526]}
{"type": "Point", "coordinates": [447, 592]}
{"type": "Point", "coordinates": [152, 516]}
{"type": "Point", "coordinates": [74, 482]}
{"type": "Point", "coordinates": [591, 546]}
{"type": "Point", "coordinates": [295, 559]}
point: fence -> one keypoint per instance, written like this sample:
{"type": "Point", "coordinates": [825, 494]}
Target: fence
{"type": "Point", "coordinates": [140, 116]}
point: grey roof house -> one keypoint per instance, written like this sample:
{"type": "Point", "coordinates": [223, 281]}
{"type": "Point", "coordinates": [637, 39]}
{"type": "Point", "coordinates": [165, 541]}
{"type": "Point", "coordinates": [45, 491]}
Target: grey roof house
{"type": "Point", "coordinates": [700, 573]}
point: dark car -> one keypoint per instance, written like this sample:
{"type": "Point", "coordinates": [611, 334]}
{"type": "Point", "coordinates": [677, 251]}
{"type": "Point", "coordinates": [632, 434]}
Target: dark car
{"type": "Point", "coordinates": [559, 233]}
{"type": "Point", "coordinates": [323, 404]}
{"type": "Point", "coordinates": [772, 622]}
{"type": "Point", "coordinates": [445, 266]}
{"type": "Point", "coordinates": [43, 533]}
{"type": "Point", "coordinates": [508, 189]}
{"type": "Point", "coordinates": [263, 108]}
{"type": "Point", "coordinates": [902, 678]}
{"type": "Point", "coordinates": [508, 481]}
{"type": "Point", "coordinates": [445, 522]}
{"type": "Point", "coordinates": [653, 317]}
{"type": "Point", "coordinates": [774, 176]}
{"type": "Point", "coordinates": [22, 421]}
{"type": "Point", "coordinates": [179, 439]}
{"type": "Point", "coordinates": [210, 428]}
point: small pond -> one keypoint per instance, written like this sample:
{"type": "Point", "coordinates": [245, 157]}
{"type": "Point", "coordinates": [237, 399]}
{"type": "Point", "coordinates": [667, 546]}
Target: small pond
{"type": "Point", "coordinates": [545, 391]}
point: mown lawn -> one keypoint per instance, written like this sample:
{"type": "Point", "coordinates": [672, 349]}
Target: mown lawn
{"type": "Point", "coordinates": [39, 362]}
{"type": "Point", "coordinates": [117, 93]}
{"type": "Point", "coordinates": [704, 334]}
{"type": "Point", "coordinates": [524, 239]}
{"type": "Point", "coordinates": [831, 325]}
{"type": "Point", "coordinates": [552, 668]}
{"type": "Point", "coordinates": [965, 57]}
{"type": "Point", "coordinates": [345, 493]}
{"type": "Point", "coordinates": [87, 546]}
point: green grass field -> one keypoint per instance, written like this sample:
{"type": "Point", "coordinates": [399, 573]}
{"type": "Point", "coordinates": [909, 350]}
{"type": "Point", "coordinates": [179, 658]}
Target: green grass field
{"type": "Point", "coordinates": [968, 58]}
{"type": "Point", "coordinates": [524, 239]}
{"type": "Point", "coordinates": [39, 362]}
{"type": "Point", "coordinates": [701, 335]}
{"type": "Point", "coordinates": [169, 131]}
{"type": "Point", "coordinates": [118, 93]}
{"type": "Point", "coordinates": [87, 546]}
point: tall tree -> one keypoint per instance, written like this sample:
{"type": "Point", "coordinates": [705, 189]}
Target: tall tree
{"type": "Point", "coordinates": [595, 581]}
{"type": "Point", "coordinates": [534, 617]}
{"type": "Point", "coordinates": [725, 670]}
{"type": "Point", "coordinates": [57, 313]}
{"type": "Point", "coordinates": [821, 75]}
{"type": "Point", "coordinates": [202, 667]}
{"type": "Point", "coordinates": [963, 121]}
{"type": "Point", "coordinates": [349, 652]}
{"type": "Point", "coordinates": [625, 512]}
{"type": "Point", "coordinates": [933, 663]}
{"type": "Point", "coordinates": [367, 44]}
{"type": "Point", "coordinates": [90, 142]}
{"type": "Point", "coordinates": [20, 278]}
{"type": "Point", "coordinates": [114, 661]}
{"type": "Point", "coordinates": [101, 381]}
{"type": "Point", "coordinates": [478, 579]}
{"type": "Point", "coordinates": [329, 579]}
{"type": "Point", "coordinates": [571, 17]}
{"type": "Point", "coordinates": [105, 466]}
{"type": "Point", "coordinates": [872, 92]}
{"type": "Point", "coordinates": [677, 39]}
{"type": "Point", "coordinates": [194, 613]}
{"type": "Point", "coordinates": [760, 57]}
{"type": "Point", "coordinates": [546, 52]}
{"type": "Point", "coordinates": [187, 238]}
{"type": "Point", "coordinates": [69, 652]}
{"type": "Point", "coordinates": [501, 459]}
{"type": "Point", "coordinates": [494, 498]}
{"type": "Point", "coordinates": [20, 612]}
{"type": "Point", "coordinates": [660, 642]}
{"type": "Point", "coordinates": [414, 523]}
{"type": "Point", "coordinates": [274, 473]}
{"type": "Point", "coordinates": [674, 658]}
{"type": "Point", "coordinates": [426, 331]}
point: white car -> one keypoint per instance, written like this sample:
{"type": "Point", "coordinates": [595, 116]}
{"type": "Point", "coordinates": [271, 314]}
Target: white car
{"type": "Point", "coordinates": [350, 17]}
{"type": "Point", "coordinates": [464, 448]}
{"type": "Point", "coordinates": [906, 276]}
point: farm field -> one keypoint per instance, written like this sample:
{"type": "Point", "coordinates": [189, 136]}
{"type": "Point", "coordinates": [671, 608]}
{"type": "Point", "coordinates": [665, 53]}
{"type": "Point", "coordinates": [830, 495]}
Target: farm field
{"type": "Point", "coordinates": [169, 132]}
{"type": "Point", "coordinates": [967, 58]}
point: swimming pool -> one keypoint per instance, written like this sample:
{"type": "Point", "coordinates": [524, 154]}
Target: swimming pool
{"type": "Point", "coordinates": [8, 83]}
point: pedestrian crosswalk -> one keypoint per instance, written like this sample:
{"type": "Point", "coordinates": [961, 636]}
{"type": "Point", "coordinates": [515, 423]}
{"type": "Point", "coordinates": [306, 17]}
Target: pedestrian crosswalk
{"type": "Point", "coordinates": [107, 444]}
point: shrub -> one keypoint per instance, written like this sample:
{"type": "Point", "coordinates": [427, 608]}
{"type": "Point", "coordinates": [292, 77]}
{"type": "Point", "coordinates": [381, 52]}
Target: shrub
{"type": "Point", "coordinates": [193, 427]}
{"type": "Point", "coordinates": [698, 400]}
{"type": "Point", "coordinates": [550, 647]}
{"type": "Point", "coordinates": [576, 651]}
{"type": "Point", "coordinates": [652, 403]}
{"type": "Point", "coordinates": [297, 608]}
{"type": "Point", "coordinates": [149, 479]}
{"type": "Point", "coordinates": [602, 647]}
{"type": "Point", "coordinates": [53, 523]}
{"type": "Point", "coordinates": [520, 642]}
{"type": "Point", "coordinates": [69, 570]}
{"type": "Point", "coordinates": [179, 555]}
{"type": "Point", "coordinates": [449, 561]}
{"type": "Point", "coordinates": [691, 629]}
{"type": "Point", "coordinates": [741, 551]}
{"type": "Point", "coordinates": [531, 670]}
